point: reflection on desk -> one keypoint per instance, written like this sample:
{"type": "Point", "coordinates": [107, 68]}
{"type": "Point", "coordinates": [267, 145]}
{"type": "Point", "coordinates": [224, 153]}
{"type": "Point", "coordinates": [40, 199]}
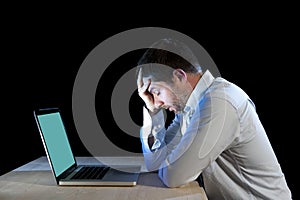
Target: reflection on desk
{"type": "Point", "coordinates": [35, 181]}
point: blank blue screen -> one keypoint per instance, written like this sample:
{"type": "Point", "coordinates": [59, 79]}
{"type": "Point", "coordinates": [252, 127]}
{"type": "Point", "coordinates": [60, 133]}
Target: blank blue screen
{"type": "Point", "coordinates": [56, 140]}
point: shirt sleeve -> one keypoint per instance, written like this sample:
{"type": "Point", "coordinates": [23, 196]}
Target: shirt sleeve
{"type": "Point", "coordinates": [164, 140]}
{"type": "Point", "coordinates": [213, 127]}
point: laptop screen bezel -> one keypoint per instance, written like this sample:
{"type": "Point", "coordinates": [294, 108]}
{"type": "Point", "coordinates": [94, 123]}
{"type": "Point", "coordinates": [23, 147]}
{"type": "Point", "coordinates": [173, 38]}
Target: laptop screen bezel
{"type": "Point", "coordinates": [45, 111]}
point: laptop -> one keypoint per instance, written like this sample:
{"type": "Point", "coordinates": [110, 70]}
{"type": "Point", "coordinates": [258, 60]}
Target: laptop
{"type": "Point", "coordinates": [62, 161]}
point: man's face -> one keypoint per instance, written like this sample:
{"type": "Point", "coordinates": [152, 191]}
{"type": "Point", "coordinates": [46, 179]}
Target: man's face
{"type": "Point", "coordinates": [170, 96]}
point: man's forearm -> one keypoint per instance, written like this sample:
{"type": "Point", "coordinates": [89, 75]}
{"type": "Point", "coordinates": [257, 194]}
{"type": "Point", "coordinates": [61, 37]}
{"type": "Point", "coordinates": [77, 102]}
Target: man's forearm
{"type": "Point", "coordinates": [156, 141]}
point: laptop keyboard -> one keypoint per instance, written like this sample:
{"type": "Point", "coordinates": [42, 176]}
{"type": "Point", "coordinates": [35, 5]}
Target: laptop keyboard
{"type": "Point", "coordinates": [91, 172]}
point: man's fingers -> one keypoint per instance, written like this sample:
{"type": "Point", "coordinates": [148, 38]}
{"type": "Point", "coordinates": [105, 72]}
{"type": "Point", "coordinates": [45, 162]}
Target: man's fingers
{"type": "Point", "coordinates": [144, 87]}
{"type": "Point", "coordinates": [140, 79]}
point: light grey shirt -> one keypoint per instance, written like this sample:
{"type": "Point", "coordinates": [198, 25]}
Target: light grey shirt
{"type": "Point", "coordinates": [220, 135]}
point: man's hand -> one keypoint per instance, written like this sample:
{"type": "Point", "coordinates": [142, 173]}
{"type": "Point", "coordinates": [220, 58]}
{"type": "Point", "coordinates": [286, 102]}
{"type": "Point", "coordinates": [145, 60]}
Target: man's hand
{"type": "Point", "coordinates": [145, 94]}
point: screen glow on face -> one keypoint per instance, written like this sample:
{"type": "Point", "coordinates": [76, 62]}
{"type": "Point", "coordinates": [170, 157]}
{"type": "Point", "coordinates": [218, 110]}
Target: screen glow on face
{"type": "Point", "coordinates": [56, 140]}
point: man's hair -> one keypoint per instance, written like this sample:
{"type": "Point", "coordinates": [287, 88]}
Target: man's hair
{"type": "Point", "coordinates": [164, 56]}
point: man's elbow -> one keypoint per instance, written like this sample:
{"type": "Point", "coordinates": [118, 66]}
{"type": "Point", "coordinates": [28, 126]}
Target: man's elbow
{"type": "Point", "coordinates": [151, 166]}
{"type": "Point", "coordinates": [174, 184]}
{"type": "Point", "coordinates": [173, 181]}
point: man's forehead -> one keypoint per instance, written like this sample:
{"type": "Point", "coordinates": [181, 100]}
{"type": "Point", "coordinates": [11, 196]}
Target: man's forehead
{"type": "Point", "coordinates": [155, 84]}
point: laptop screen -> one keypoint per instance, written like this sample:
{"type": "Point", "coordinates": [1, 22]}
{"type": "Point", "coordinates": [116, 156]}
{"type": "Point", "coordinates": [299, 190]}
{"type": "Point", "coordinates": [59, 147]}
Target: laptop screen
{"type": "Point", "coordinates": [55, 138]}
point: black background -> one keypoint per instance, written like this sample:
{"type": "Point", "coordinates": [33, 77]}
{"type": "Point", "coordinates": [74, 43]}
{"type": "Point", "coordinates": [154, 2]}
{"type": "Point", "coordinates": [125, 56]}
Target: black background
{"type": "Point", "coordinates": [41, 56]}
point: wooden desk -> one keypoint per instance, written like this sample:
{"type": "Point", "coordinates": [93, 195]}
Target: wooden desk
{"type": "Point", "coordinates": [35, 181]}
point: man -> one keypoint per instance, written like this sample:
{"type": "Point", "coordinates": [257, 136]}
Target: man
{"type": "Point", "coordinates": [216, 131]}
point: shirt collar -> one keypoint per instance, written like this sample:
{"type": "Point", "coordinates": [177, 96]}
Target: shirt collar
{"type": "Point", "coordinates": [204, 82]}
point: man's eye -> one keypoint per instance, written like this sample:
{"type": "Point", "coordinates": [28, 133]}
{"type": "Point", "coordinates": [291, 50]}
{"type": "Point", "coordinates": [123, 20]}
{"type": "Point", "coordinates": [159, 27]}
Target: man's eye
{"type": "Point", "coordinates": [156, 92]}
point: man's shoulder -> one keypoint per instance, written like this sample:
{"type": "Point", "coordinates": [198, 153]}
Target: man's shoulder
{"type": "Point", "coordinates": [226, 90]}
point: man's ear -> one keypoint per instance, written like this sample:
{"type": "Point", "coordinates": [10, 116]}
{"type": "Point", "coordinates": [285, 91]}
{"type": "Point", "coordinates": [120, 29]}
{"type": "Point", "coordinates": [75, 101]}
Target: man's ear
{"type": "Point", "coordinates": [180, 74]}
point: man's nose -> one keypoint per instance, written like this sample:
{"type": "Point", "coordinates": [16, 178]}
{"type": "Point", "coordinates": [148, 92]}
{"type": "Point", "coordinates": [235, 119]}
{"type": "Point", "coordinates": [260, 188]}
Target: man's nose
{"type": "Point", "coordinates": [157, 102]}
